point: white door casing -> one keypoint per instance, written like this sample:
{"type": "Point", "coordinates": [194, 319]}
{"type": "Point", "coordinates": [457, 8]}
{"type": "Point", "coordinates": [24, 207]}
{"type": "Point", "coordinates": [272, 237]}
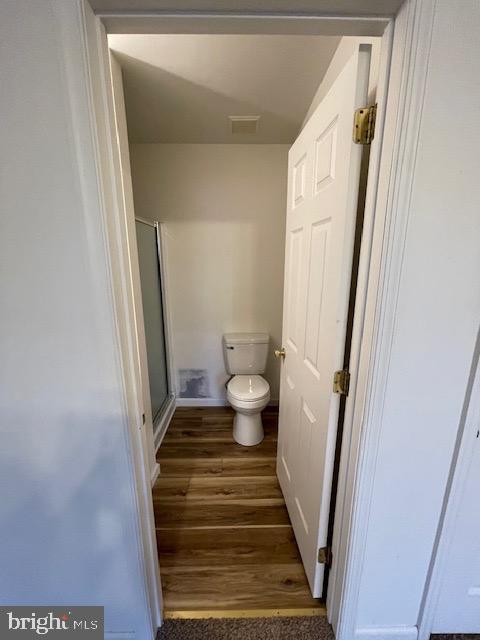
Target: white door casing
{"type": "Point", "coordinates": [323, 181]}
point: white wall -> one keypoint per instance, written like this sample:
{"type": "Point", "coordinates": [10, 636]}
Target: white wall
{"type": "Point", "coordinates": [224, 209]}
{"type": "Point", "coordinates": [68, 516]}
{"type": "Point", "coordinates": [436, 311]}
{"type": "Point", "coordinates": [457, 607]}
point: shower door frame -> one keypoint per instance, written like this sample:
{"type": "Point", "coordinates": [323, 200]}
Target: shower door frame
{"type": "Point", "coordinates": [162, 419]}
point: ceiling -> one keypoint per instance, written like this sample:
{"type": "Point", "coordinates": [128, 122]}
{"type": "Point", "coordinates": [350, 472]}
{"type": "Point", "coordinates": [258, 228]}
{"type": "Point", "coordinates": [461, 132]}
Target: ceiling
{"type": "Point", "coordinates": [182, 88]}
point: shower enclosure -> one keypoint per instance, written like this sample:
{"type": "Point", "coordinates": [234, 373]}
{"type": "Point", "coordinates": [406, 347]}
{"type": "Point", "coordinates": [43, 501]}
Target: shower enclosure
{"type": "Point", "coordinates": [153, 302]}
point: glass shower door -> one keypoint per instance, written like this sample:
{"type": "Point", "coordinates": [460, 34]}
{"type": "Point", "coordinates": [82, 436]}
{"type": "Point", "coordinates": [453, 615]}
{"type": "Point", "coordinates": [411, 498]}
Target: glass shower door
{"type": "Point", "coordinates": [153, 313]}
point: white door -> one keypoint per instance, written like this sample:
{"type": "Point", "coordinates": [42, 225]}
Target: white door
{"type": "Point", "coordinates": [323, 180]}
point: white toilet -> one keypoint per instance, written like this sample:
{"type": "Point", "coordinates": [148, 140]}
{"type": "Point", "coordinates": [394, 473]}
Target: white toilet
{"type": "Point", "coordinates": [247, 392]}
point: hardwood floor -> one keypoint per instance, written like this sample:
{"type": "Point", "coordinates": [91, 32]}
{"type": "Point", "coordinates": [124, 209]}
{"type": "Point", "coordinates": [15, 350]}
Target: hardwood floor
{"type": "Point", "coordinates": [224, 537]}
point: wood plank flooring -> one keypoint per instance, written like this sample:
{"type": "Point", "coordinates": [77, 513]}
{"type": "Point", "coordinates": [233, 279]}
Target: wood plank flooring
{"type": "Point", "coordinates": [224, 537]}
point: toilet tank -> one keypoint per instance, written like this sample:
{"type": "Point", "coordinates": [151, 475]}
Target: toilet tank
{"type": "Point", "coordinates": [245, 353]}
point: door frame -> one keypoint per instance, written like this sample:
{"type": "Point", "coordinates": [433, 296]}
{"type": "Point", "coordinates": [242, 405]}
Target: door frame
{"type": "Point", "coordinates": [161, 422]}
{"type": "Point", "coordinates": [404, 56]}
{"type": "Point", "coordinates": [128, 213]}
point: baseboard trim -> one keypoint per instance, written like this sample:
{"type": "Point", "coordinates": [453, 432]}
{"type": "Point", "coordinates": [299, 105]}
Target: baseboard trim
{"type": "Point", "coordinates": [201, 402]}
{"type": "Point", "coordinates": [245, 613]}
{"type": "Point", "coordinates": [162, 425]}
{"type": "Point", "coordinates": [386, 633]}
{"type": "Point", "coordinates": [120, 635]}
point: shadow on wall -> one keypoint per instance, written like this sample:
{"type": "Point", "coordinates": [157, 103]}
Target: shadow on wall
{"type": "Point", "coordinates": [166, 98]}
{"type": "Point", "coordinates": [60, 509]}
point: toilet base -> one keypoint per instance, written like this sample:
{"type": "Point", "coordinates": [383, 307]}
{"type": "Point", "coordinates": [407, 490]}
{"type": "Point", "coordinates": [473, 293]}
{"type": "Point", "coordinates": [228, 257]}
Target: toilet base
{"type": "Point", "coordinates": [248, 429]}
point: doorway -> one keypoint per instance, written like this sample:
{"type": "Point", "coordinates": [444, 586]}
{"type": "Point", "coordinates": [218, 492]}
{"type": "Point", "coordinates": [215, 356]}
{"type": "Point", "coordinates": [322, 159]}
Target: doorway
{"type": "Point", "coordinates": [371, 249]}
{"type": "Point", "coordinates": [220, 183]}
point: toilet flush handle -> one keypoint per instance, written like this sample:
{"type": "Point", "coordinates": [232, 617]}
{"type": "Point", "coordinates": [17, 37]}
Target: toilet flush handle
{"type": "Point", "coordinates": [280, 353]}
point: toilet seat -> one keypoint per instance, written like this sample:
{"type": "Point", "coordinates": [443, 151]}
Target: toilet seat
{"type": "Point", "coordinates": [248, 389]}
{"type": "Point", "coordinates": [248, 406]}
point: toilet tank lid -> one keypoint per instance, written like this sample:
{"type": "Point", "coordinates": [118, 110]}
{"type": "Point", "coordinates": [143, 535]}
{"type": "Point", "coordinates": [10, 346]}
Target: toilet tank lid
{"type": "Point", "coordinates": [246, 338]}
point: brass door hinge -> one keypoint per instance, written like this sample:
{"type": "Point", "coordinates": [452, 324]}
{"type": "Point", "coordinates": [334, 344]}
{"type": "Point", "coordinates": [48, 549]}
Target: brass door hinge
{"type": "Point", "coordinates": [325, 556]}
{"type": "Point", "coordinates": [341, 382]}
{"type": "Point", "coordinates": [364, 124]}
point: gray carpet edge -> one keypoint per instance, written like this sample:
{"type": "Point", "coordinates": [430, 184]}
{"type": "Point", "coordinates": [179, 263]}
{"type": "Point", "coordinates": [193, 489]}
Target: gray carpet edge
{"type": "Point", "coordinates": [273, 628]}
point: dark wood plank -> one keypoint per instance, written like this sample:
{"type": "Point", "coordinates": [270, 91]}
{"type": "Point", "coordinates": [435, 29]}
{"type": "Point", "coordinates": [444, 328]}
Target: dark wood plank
{"type": "Point", "coordinates": [206, 489]}
{"type": "Point", "coordinates": [237, 587]}
{"type": "Point", "coordinates": [209, 490]}
{"type": "Point", "coordinates": [233, 546]}
{"type": "Point", "coordinates": [212, 489]}
{"type": "Point", "coordinates": [219, 514]}
{"type": "Point", "coordinates": [168, 488]}
{"type": "Point", "coordinates": [203, 412]}
{"type": "Point", "coordinates": [180, 467]}
{"type": "Point", "coordinates": [239, 467]}
{"type": "Point", "coordinates": [177, 423]}
{"type": "Point", "coordinates": [214, 430]}
{"type": "Point", "coordinates": [189, 449]}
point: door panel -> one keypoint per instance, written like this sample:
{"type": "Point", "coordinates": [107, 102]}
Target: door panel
{"type": "Point", "coordinates": [323, 180]}
{"type": "Point", "coordinates": [315, 288]}
{"type": "Point", "coordinates": [295, 278]}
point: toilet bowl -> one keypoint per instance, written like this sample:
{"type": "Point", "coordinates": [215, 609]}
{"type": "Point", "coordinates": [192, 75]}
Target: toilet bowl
{"type": "Point", "coordinates": [248, 395]}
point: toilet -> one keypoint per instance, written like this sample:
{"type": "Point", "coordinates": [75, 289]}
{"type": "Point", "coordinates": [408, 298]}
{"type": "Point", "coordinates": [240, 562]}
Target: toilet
{"type": "Point", "coordinates": [247, 392]}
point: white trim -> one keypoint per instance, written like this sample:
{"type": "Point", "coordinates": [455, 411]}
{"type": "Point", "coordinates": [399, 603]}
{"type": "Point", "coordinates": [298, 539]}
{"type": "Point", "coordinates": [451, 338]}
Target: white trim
{"type": "Point", "coordinates": [167, 317]}
{"type": "Point", "coordinates": [210, 22]}
{"type": "Point", "coordinates": [386, 633]}
{"type": "Point", "coordinates": [461, 461]}
{"type": "Point", "coordinates": [155, 473]}
{"type": "Point", "coordinates": [167, 306]}
{"type": "Point", "coordinates": [413, 28]}
{"type": "Point", "coordinates": [130, 242]}
{"type": "Point", "coordinates": [161, 425]}
{"type": "Point", "coordinates": [202, 402]}
{"type": "Point", "coordinates": [360, 335]}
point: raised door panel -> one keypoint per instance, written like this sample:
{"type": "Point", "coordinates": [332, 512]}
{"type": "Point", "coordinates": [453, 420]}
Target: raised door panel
{"type": "Point", "coordinates": [290, 420]}
{"type": "Point", "coordinates": [293, 319]}
{"type": "Point", "coordinates": [319, 232]}
{"type": "Point", "coordinates": [325, 156]}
